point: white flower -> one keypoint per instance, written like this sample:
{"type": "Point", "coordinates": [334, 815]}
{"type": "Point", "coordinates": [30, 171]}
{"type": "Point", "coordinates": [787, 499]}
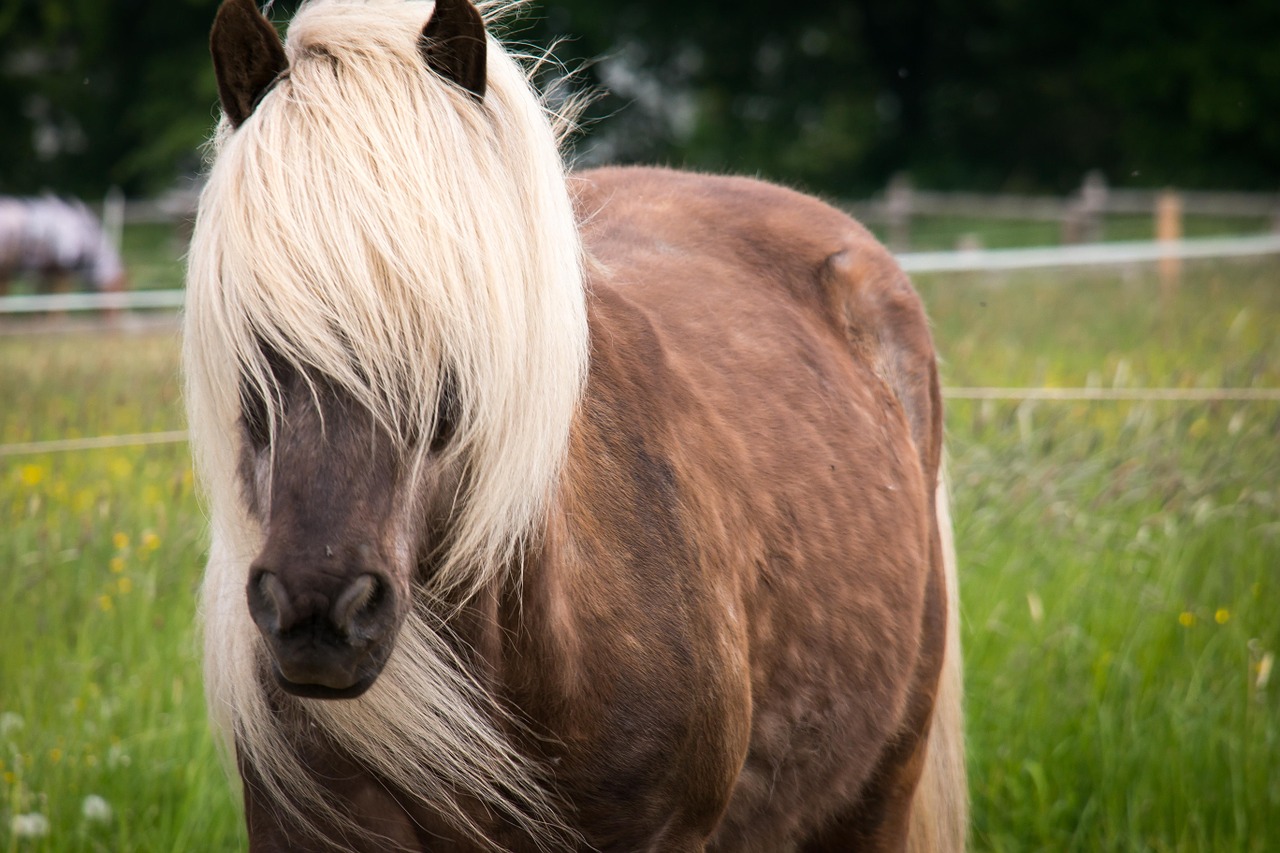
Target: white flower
{"type": "Point", "coordinates": [95, 809]}
{"type": "Point", "coordinates": [9, 723]}
{"type": "Point", "coordinates": [117, 757]}
{"type": "Point", "coordinates": [32, 825]}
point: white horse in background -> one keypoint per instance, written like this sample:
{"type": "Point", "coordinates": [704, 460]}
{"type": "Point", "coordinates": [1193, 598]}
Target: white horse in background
{"type": "Point", "coordinates": [56, 240]}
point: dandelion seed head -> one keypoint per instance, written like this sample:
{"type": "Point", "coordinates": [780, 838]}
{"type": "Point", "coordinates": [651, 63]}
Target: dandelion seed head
{"type": "Point", "coordinates": [95, 809]}
{"type": "Point", "coordinates": [117, 757]}
{"type": "Point", "coordinates": [10, 723]}
{"type": "Point", "coordinates": [34, 825]}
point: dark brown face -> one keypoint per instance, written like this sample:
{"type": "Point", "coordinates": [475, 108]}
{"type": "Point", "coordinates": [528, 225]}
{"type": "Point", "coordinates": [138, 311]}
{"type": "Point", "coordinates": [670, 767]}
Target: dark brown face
{"type": "Point", "coordinates": [331, 586]}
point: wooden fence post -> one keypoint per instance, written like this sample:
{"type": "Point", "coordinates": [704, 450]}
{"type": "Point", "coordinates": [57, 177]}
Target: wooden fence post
{"type": "Point", "coordinates": [897, 208]}
{"type": "Point", "coordinates": [1169, 230]}
{"type": "Point", "coordinates": [1084, 218]}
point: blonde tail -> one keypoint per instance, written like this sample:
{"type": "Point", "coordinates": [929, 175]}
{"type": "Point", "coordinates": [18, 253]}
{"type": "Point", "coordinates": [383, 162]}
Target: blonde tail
{"type": "Point", "coordinates": [940, 813]}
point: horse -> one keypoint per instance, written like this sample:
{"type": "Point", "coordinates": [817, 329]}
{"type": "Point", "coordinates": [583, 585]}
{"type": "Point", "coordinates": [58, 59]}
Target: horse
{"type": "Point", "coordinates": [551, 510]}
{"type": "Point", "coordinates": [55, 240]}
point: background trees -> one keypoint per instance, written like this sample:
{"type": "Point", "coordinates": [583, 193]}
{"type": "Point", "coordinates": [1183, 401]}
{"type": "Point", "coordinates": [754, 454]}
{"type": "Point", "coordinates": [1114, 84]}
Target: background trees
{"type": "Point", "coordinates": [834, 95]}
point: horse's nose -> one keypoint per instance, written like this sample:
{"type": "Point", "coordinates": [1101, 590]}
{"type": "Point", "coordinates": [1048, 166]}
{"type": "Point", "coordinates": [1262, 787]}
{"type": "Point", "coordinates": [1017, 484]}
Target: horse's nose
{"type": "Point", "coordinates": [326, 639]}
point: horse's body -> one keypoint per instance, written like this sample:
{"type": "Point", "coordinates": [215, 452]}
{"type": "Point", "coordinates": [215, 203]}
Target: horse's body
{"type": "Point", "coordinates": [55, 240]}
{"type": "Point", "coordinates": [725, 625]}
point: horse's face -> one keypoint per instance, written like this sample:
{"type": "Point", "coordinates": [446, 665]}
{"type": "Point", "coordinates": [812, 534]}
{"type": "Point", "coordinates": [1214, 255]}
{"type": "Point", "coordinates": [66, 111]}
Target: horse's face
{"type": "Point", "coordinates": [332, 584]}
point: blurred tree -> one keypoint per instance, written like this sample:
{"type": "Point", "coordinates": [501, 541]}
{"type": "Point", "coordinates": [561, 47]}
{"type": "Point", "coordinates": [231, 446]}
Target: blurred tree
{"type": "Point", "coordinates": [98, 94]}
{"type": "Point", "coordinates": [962, 93]}
{"type": "Point", "coordinates": [834, 95]}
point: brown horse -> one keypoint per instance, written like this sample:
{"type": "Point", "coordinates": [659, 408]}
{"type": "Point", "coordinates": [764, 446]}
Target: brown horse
{"type": "Point", "coordinates": [590, 512]}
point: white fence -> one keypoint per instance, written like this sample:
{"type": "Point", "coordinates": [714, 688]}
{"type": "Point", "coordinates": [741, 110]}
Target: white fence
{"type": "Point", "coordinates": [1096, 254]}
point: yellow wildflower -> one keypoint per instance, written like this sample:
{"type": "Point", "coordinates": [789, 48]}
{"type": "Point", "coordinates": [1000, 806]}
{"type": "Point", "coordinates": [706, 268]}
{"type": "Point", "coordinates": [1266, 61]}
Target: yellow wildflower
{"type": "Point", "coordinates": [105, 604]}
{"type": "Point", "coordinates": [31, 475]}
{"type": "Point", "coordinates": [1222, 615]}
{"type": "Point", "coordinates": [120, 541]}
{"type": "Point", "coordinates": [117, 565]}
{"type": "Point", "coordinates": [150, 541]}
{"type": "Point", "coordinates": [1186, 619]}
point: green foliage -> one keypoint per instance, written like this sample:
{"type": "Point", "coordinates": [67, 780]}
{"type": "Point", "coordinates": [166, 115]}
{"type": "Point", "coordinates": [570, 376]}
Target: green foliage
{"type": "Point", "coordinates": [835, 96]}
{"type": "Point", "coordinates": [101, 94]}
{"type": "Point", "coordinates": [974, 94]}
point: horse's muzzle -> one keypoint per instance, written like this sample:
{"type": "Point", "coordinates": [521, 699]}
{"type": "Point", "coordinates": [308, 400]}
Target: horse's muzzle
{"type": "Point", "coordinates": [327, 641]}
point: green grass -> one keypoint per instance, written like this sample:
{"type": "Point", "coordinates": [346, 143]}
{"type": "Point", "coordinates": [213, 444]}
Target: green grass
{"type": "Point", "coordinates": [1119, 567]}
{"type": "Point", "coordinates": [101, 553]}
{"type": "Point", "coordinates": [1118, 560]}
{"type": "Point", "coordinates": [152, 253]}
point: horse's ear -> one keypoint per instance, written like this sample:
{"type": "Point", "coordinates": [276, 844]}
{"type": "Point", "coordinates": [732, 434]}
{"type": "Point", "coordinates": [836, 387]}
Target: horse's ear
{"type": "Point", "coordinates": [453, 44]}
{"type": "Point", "coordinates": [247, 57]}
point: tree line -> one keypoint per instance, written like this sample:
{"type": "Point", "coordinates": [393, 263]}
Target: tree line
{"type": "Point", "coordinates": [832, 95]}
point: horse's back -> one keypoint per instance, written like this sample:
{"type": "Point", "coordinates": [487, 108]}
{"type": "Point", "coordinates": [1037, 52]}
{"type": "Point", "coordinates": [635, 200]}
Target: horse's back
{"type": "Point", "coordinates": [775, 367]}
{"type": "Point", "coordinates": [728, 255]}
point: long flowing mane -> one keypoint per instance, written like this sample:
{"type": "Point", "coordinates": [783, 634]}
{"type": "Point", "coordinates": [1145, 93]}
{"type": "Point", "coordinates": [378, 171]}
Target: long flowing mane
{"type": "Point", "coordinates": [373, 224]}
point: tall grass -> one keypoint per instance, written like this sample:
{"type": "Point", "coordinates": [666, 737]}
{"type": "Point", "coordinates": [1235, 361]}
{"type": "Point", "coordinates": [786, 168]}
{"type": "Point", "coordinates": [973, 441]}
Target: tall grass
{"type": "Point", "coordinates": [1118, 560]}
{"type": "Point", "coordinates": [100, 556]}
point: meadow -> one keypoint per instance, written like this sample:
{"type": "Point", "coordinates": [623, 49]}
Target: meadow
{"type": "Point", "coordinates": [1120, 564]}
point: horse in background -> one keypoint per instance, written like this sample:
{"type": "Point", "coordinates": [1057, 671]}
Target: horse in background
{"type": "Point", "coordinates": [552, 511]}
{"type": "Point", "coordinates": [56, 240]}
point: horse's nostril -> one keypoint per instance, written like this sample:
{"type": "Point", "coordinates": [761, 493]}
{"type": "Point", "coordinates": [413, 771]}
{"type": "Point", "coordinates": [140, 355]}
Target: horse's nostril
{"type": "Point", "coordinates": [268, 600]}
{"type": "Point", "coordinates": [355, 613]}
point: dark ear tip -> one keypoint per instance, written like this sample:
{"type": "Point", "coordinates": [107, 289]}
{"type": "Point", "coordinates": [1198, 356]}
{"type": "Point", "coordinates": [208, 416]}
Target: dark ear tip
{"type": "Point", "coordinates": [455, 46]}
{"type": "Point", "coordinates": [229, 10]}
{"type": "Point", "coordinates": [247, 57]}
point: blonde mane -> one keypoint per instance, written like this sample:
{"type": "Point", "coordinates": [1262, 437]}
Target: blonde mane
{"type": "Point", "coordinates": [374, 224]}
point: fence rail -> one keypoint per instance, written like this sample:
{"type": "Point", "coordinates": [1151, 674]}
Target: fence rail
{"type": "Point", "coordinates": [1051, 395]}
{"type": "Point", "coordinates": [1114, 202]}
{"type": "Point", "coordinates": [1091, 254]}
{"type": "Point", "coordinates": [970, 260]}
{"type": "Point", "coordinates": [1081, 215]}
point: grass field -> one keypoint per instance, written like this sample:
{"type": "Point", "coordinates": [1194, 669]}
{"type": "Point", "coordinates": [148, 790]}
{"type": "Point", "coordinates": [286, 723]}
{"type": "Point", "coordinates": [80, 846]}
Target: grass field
{"type": "Point", "coordinates": [1120, 565]}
